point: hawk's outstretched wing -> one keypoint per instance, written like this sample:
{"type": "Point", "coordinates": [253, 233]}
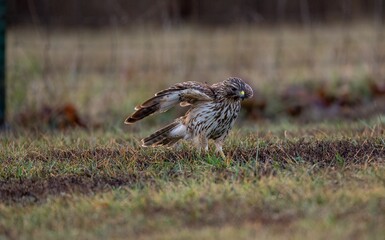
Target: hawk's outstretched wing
{"type": "Point", "coordinates": [186, 93]}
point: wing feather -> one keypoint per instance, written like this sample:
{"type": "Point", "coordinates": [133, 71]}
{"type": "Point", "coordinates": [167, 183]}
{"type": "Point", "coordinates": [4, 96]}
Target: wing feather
{"type": "Point", "coordinates": [187, 93]}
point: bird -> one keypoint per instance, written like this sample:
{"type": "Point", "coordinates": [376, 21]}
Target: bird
{"type": "Point", "coordinates": [212, 113]}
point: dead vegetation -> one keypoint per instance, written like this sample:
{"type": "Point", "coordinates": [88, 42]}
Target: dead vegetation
{"type": "Point", "coordinates": [306, 102]}
{"type": "Point", "coordinates": [326, 73]}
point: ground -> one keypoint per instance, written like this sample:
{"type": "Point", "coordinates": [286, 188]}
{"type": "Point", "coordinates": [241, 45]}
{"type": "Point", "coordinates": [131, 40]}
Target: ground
{"type": "Point", "coordinates": [319, 181]}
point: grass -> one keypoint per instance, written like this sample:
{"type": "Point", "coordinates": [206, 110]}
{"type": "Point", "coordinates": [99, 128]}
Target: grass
{"type": "Point", "coordinates": [286, 180]}
{"type": "Point", "coordinates": [106, 73]}
{"type": "Point", "coordinates": [276, 206]}
{"type": "Point", "coordinates": [280, 184]}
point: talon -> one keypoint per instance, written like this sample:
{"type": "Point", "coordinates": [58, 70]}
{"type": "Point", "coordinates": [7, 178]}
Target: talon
{"type": "Point", "coordinates": [228, 161]}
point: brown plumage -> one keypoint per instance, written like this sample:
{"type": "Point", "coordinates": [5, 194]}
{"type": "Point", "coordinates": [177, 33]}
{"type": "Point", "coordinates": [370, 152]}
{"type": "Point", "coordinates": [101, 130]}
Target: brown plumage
{"type": "Point", "coordinates": [213, 110]}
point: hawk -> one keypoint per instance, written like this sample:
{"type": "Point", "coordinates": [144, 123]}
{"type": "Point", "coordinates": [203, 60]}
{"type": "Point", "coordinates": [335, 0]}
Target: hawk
{"type": "Point", "coordinates": [212, 113]}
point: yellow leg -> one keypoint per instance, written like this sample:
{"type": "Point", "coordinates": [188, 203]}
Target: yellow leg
{"type": "Point", "coordinates": [201, 144]}
{"type": "Point", "coordinates": [204, 142]}
{"type": "Point", "coordinates": [218, 146]}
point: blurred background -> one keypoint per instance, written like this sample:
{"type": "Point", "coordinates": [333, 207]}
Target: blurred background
{"type": "Point", "coordinates": [88, 63]}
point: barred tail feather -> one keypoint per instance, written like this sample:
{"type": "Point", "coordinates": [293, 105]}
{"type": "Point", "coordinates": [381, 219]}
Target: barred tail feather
{"type": "Point", "coordinates": [166, 136]}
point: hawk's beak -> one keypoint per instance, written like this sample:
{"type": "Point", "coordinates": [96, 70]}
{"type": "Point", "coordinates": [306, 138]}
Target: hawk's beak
{"type": "Point", "coordinates": [242, 94]}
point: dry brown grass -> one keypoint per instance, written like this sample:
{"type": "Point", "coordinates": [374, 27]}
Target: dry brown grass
{"type": "Point", "coordinates": [106, 72]}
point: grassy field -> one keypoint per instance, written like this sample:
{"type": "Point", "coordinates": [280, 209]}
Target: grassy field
{"type": "Point", "coordinates": [317, 181]}
{"type": "Point", "coordinates": [287, 179]}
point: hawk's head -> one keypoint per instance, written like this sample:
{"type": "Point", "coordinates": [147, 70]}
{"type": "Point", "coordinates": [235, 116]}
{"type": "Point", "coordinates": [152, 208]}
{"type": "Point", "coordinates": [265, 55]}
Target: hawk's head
{"type": "Point", "coordinates": [235, 88]}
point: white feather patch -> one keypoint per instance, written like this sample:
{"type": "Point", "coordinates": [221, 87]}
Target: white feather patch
{"type": "Point", "coordinates": [179, 131]}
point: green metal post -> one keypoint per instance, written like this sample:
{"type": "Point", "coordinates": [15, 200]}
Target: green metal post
{"type": "Point", "coordinates": [2, 62]}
